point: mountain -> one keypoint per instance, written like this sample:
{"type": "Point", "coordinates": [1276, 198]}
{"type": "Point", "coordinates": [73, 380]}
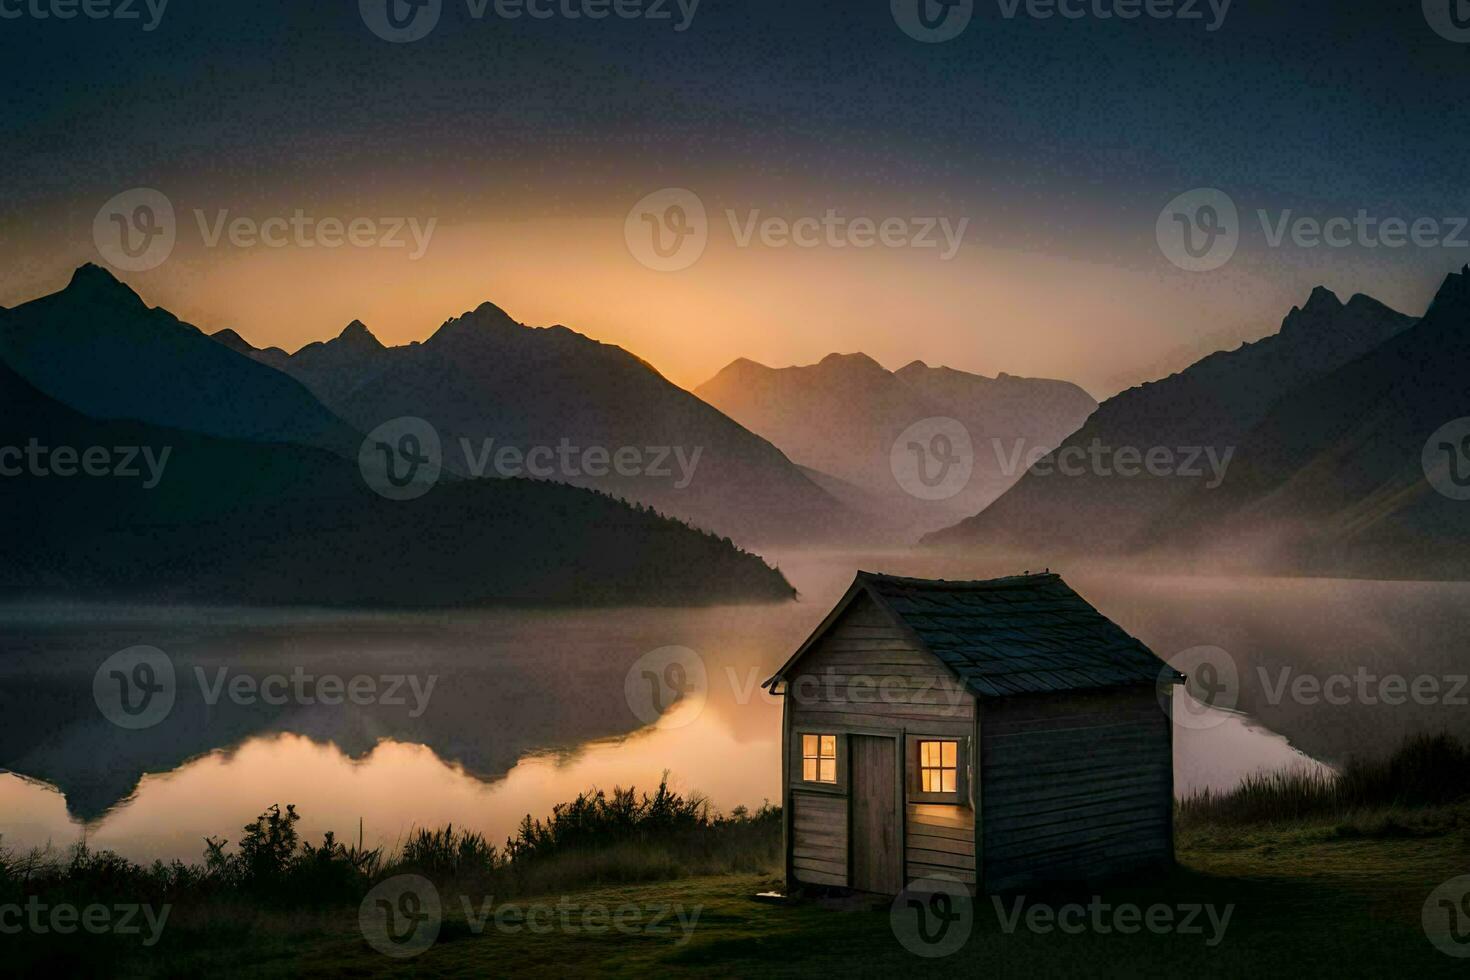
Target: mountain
{"type": "Point", "coordinates": [486, 382]}
{"type": "Point", "coordinates": [1074, 503]}
{"type": "Point", "coordinates": [235, 521]}
{"type": "Point", "coordinates": [96, 347]}
{"type": "Point", "coordinates": [330, 368]}
{"type": "Point", "coordinates": [1333, 479]}
{"type": "Point", "coordinates": [842, 417]}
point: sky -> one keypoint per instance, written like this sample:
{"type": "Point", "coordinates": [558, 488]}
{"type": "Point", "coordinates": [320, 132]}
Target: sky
{"type": "Point", "coordinates": [1025, 171]}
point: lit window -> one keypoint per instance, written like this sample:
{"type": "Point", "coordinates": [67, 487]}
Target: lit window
{"type": "Point", "coordinates": [938, 766]}
{"type": "Point", "coordinates": [819, 758]}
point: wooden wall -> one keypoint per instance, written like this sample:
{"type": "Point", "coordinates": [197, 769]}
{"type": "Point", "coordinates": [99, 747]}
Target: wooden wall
{"type": "Point", "coordinates": [819, 838]}
{"type": "Point", "coordinates": [1074, 786]}
{"type": "Point", "coordinates": [919, 696]}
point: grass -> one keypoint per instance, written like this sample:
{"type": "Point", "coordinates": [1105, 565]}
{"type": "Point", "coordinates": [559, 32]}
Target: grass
{"type": "Point", "coordinates": [1319, 879]}
{"type": "Point", "coordinates": [1425, 771]}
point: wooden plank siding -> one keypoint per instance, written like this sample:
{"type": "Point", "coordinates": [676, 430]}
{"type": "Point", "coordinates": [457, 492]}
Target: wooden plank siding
{"type": "Point", "coordinates": [866, 674]}
{"type": "Point", "coordinates": [819, 838]}
{"type": "Point", "coordinates": [940, 839]}
{"type": "Point", "coordinates": [1076, 786]}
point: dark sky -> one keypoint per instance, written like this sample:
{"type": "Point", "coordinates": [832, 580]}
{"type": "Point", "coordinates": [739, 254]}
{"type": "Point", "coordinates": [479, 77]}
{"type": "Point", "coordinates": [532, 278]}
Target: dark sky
{"type": "Point", "coordinates": [1056, 136]}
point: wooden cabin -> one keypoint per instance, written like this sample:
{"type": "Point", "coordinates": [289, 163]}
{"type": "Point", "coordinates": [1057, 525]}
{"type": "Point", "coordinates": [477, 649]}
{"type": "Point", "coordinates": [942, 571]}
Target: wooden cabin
{"type": "Point", "coordinates": [1001, 732]}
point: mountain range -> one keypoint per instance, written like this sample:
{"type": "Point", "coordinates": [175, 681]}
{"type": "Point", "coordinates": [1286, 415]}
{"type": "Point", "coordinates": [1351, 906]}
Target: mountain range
{"type": "Point", "coordinates": [1063, 508]}
{"type": "Point", "coordinates": [841, 418]}
{"type": "Point", "coordinates": [1364, 471]}
{"type": "Point", "coordinates": [487, 383]}
{"type": "Point", "coordinates": [256, 494]}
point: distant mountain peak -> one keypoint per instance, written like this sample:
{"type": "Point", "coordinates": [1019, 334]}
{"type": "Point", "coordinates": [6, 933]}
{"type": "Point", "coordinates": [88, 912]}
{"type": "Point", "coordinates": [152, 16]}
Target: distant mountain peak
{"type": "Point", "coordinates": [1453, 296]}
{"type": "Point", "coordinates": [94, 281]}
{"type": "Point", "coordinates": [486, 316]}
{"type": "Point", "coordinates": [1322, 305]}
{"type": "Point", "coordinates": [356, 334]}
{"type": "Point", "coordinates": [857, 361]}
{"type": "Point", "coordinates": [233, 341]}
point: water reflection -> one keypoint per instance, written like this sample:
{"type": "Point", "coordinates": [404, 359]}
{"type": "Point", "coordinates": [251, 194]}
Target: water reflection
{"type": "Point", "coordinates": [530, 707]}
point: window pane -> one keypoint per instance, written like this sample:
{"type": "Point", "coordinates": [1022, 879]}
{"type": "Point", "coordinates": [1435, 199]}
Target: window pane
{"type": "Point", "coordinates": [829, 746]}
{"type": "Point", "coordinates": [829, 771]}
{"type": "Point", "coordinates": [809, 770]}
{"type": "Point", "coordinates": [926, 753]}
{"type": "Point", "coordinates": [949, 779]}
{"type": "Point", "coordinates": [809, 745]}
{"type": "Point", "coordinates": [950, 750]}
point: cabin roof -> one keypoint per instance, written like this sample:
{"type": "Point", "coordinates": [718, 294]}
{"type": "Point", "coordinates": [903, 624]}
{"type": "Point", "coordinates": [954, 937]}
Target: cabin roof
{"type": "Point", "coordinates": [1024, 634]}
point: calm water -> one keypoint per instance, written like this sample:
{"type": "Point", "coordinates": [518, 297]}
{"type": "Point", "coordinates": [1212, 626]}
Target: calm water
{"type": "Point", "coordinates": [529, 708]}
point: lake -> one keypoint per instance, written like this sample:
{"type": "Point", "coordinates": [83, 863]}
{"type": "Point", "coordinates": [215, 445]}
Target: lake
{"type": "Point", "coordinates": [480, 718]}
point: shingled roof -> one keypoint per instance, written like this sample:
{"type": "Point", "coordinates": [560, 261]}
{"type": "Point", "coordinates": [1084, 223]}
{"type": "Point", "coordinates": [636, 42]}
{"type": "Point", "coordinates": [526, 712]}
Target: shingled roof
{"type": "Point", "coordinates": [1023, 634]}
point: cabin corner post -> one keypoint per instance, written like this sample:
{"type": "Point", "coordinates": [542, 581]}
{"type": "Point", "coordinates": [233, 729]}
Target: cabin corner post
{"type": "Point", "coordinates": [977, 791]}
{"type": "Point", "coordinates": [786, 777]}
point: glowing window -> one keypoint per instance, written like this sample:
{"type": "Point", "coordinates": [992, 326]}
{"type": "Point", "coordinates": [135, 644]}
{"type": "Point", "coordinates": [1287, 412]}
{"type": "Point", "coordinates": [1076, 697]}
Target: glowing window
{"type": "Point", "coordinates": [939, 766]}
{"type": "Point", "coordinates": [819, 758]}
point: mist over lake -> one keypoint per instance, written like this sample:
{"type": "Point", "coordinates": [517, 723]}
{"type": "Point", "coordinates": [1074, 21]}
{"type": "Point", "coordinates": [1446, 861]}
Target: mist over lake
{"type": "Point", "coordinates": [528, 708]}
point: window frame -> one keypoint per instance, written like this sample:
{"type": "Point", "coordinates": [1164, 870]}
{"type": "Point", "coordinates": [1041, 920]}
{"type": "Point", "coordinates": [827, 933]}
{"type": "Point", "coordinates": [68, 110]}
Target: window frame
{"type": "Point", "coordinates": [913, 780]}
{"type": "Point", "coordinates": [798, 774]}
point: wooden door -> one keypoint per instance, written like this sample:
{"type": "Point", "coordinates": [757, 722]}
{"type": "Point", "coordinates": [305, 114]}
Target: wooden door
{"type": "Point", "coordinates": [877, 853]}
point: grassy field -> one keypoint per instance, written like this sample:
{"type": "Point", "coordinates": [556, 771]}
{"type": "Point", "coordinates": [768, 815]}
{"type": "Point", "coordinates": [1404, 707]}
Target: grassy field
{"type": "Point", "coordinates": [1336, 898]}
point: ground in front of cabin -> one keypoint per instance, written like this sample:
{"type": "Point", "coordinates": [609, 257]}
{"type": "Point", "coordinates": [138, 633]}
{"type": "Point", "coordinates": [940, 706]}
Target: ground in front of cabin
{"type": "Point", "coordinates": [1300, 900]}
